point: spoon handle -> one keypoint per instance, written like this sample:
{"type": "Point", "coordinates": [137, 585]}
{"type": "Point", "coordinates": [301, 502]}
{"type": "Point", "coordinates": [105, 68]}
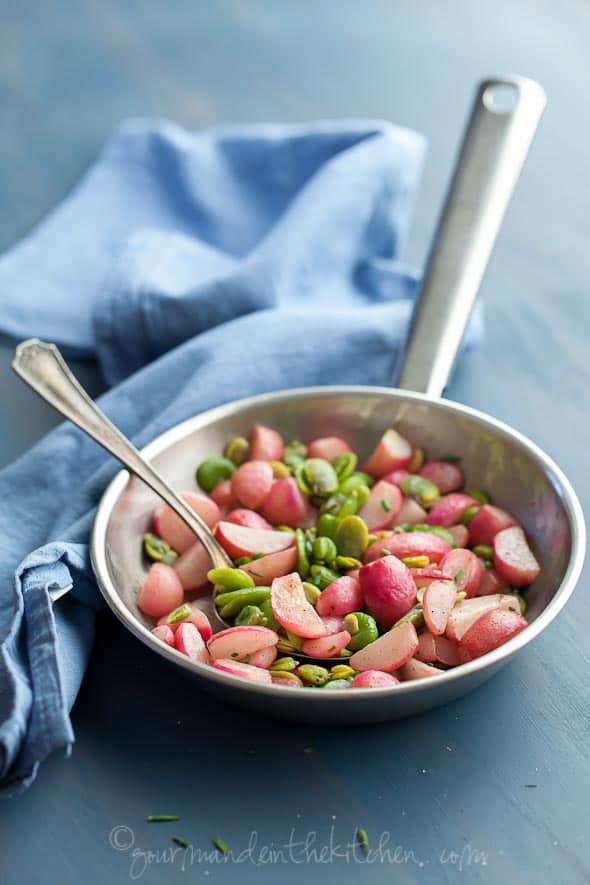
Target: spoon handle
{"type": "Point", "coordinates": [42, 367]}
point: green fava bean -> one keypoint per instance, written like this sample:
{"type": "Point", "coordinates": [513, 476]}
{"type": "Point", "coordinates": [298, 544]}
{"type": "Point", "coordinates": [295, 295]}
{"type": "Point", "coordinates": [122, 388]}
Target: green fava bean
{"type": "Point", "coordinates": [230, 578]}
{"type": "Point", "coordinates": [237, 450]}
{"type": "Point", "coordinates": [320, 477]}
{"type": "Point", "coordinates": [484, 550]}
{"type": "Point", "coordinates": [418, 487]}
{"type": "Point", "coordinates": [363, 629]}
{"type": "Point", "coordinates": [415, 616]}
{"type": "Point", "coordinates": [327, 525]}
{"type": "Point", "coordinates": [347, 563]}
{"type": "Point", "coordinates": [344, 465]}
{"type": "Point", "coordinates": [212, 471]}
{"type": "Point", "coordinates": [269, 619]}
{"type": "Point", "coordinates": [324, 550]}
{"type": "Point", "coordinates": [353, 482]}
{"type": "Point", "coordinates": [251, 615]}
{"type": "Point", "coordinates": [313, 674]}
{"type": "Point", "coordinates": [322, 576]}
{"type": "Point", "coordinates": [284, 665]}
{"type": "Point", "coordinates": [229, 604]}
{"type": "Point", "coordinates": [158, 550]}
{"type": "Point", "coordinates": [302, 557]}
{"type": "Point", "coordinates": [294, 453]}
{"type": "Point", "coordinates": [312, 593]}
{"type": "Point", "coordinates": [342, 671]}
{"type": "Point", "coordinates": [352, 537]}
{"type": "Point", "coordinates": [179, 614]}
{"type": "Point", "coordinates": [469, 514]}
{"type": "Point", "coordinates": [479, 496]}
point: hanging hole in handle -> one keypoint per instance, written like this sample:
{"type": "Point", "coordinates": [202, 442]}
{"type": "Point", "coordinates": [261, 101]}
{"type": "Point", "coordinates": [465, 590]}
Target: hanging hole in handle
{"type": "Point", "coordinates": [501, 98]}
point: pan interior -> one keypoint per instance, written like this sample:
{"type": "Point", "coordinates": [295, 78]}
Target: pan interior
{"type": "Point", "coordinates": [493, 458]}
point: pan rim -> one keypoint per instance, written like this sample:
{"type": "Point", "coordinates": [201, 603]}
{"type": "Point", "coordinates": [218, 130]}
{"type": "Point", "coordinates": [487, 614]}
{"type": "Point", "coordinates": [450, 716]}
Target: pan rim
{"type": "Point", "coordinates": [490, 661]}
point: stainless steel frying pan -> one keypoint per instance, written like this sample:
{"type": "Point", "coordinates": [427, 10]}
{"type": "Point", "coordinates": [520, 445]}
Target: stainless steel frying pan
{"type": "Point", "coordinates": [524, 479]}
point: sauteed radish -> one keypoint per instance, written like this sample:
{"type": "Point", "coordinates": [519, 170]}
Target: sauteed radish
{"type": "Point", "coordinates": [389, 573]}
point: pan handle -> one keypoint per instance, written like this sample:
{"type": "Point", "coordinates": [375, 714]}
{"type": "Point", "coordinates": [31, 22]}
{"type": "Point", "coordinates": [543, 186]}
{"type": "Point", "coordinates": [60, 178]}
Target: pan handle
{"type": "Point", "coordinates": [493, 152]}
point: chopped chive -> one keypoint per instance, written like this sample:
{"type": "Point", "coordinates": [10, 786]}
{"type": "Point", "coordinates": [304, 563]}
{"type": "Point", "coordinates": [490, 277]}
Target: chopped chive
{"type": "Point", "coordinates": [247, 659]}
{"type": "Point", "coordinates": [257, 556]}
{"type": "Point", "coordinates": [161, 818]}
{"type": "Point", "coordinates": [385, 505]}
{"type": "Point", "coordinates": [309, 750]}
{"type": "Point", "coordinates": [220, 845]}
{"type": "Point", "coordinates": [362, 839]}
{"type": "Point", "coordinates": [256, 574]}
{"type": "Point", "coordinates": [178, 840]}
{"type": "Point", "coordinates": [385, 551]}
{"type": "Point", "coordinates": [460, 574]}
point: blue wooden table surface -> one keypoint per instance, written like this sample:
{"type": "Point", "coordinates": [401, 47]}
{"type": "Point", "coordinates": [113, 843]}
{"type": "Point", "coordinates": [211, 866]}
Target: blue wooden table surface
{"type": "Point", "coordinates": [493, 788]}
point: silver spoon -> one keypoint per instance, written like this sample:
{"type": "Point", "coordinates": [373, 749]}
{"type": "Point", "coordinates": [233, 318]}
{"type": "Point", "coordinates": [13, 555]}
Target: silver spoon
{"type": "Point", "coordinates": [43, 368]}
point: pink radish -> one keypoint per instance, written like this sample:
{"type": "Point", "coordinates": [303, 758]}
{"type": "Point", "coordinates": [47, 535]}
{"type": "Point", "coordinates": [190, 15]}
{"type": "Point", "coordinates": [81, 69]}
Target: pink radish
{"type": "Point", "coordinates": [416, 669]}
{"type": "Point", "coordinates": [392, 452]}
{"type": "Point", "coordinates": [164, 633]}
{"type": "Point", "coordinates": [326, 646]}
{"type": "Point", "coordinates": [333, 624]}
{"type": "Point", "coordinates": [274, 565]}
{"type": "Point", "coordinates": [285, 504]}
{"type": "Point", "coordinates": [382, 506]}
{"type": "Point", "coordinates": [223, 496]}
{"type": "Point", "coordinates": [388, 589]}
{"type": "Point", "coordinates": [447, 652]}
{"type": "Point", "coordinates": [513, 558]}
{"type": "Point", "coordinates": [491, 582]}
{"type": "Point", "coordinates": [249, 519]}
{"type": "Point", "coordinates": [169, 526]}
{"type": "Point", "coordinates": [445, 476]}
{"type": "Point", "coordinates": [192, 567]}
{"type": "Point", "coordinates": [460, 535]}
{"type": "Point", "coordinates": [328, 447]}
{"type": "Point", "coordinates": [266, 444]}
{"type": "Point", "coordinates": [264, 658]}
{"type": "Point", "coordinates": [465, 568]}
{"type": "Point", "coordinates": [396, 477]}
{"type": "Point", "coordinates": [487, 522]}
{"type": "Point", "coordinates": [187, 640]}
{"type": "Point", "coordinates": [410, 512]}
{"type": "Point", "coordinates": [340, 597]}
{"type": "Point", "coordinates": [244, 671]}
{"type": "Point", "coordinates": [278, 679]}
{"type": "Point", "coordinates": [196, 616]}
{"type": "Point", "coordinates": [449, 509]}
{"type": "Point", "coordinates": [292, 610]}
{"type": "Point", "coordinates": [252, 482]}
{"type": "Point", "coordinates": [426, 648]}
{"type": "Point", "coordinates": [161, 591]}
{"type": "Point", "coordinates": [425, 576]}
{"type": "Point", "coordinates": [239, 642]}
{"type": "Point", "coordinates": [491, 630]}
{"type": "Point", "coordinates": [404, 544]}
{"type": "Point", "coordinates": [389, 652]}
{"type": "Point", "coordinates": [467, 612]}
{"type": "Point", "coordinates": [240, 541]}
{"type": "Point", "coordinates": [374, 679]}
{"type": "Point", "coordinates": [439, 599]}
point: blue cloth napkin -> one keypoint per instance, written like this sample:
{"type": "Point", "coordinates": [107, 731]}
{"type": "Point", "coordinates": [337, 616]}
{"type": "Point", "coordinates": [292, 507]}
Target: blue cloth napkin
{"type": "Point", "coordinates": [197, 269]}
